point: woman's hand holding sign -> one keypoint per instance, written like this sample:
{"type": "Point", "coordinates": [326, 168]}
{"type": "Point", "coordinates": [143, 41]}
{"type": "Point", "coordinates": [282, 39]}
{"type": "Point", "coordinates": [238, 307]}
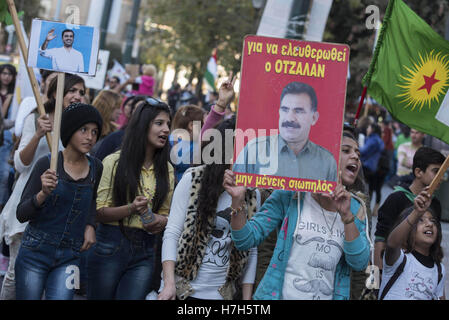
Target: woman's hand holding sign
{"type": "Point", "coordinates": [237, 193]}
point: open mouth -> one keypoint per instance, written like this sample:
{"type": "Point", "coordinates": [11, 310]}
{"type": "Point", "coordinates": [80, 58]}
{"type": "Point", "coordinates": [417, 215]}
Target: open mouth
{"type": "Point", "coordinates": [352, 168]}
{"type": "Point", "coordinates": [163, 138]}
{"type": "Point", "coordinates": [428, 232]}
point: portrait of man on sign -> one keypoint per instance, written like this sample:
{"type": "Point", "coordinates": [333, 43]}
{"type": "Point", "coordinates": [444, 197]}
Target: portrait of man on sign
{"type": "Point", "coordinates": [64, 58]}
{"type": "Point", "coordinates": [290, 153]}
{"type": "Point", "coordinates": [63, 47]}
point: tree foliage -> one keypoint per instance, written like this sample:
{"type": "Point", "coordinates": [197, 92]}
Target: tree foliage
{"type": "Point", "coordinates": [195, 28]}
{"type": "Point", "coordinates": [27, 10]}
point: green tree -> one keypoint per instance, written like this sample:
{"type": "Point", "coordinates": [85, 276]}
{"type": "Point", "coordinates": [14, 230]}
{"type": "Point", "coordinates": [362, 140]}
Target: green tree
{"type": "Point", "coordinates": [31, 10]}
{"type": "Point", "coordinates": [27, 10]}
{"type": "Point", "coordinates": [195, 28]}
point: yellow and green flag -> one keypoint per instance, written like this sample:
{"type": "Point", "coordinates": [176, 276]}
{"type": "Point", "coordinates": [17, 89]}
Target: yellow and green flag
{"type": "Point", "coordinates": [409, 72]}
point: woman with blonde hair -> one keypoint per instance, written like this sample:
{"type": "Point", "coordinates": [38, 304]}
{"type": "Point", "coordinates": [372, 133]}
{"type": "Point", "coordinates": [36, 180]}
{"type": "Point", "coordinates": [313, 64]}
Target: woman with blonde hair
{"type": "Point", "coordinates": [108, 104]}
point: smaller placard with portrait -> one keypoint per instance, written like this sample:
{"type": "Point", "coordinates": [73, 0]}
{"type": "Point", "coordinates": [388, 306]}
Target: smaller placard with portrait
{"type": "Point", "coordinates": [63, 47]}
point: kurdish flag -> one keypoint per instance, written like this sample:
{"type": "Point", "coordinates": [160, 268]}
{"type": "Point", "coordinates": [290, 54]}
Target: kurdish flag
{"type": "Point", "coordinates": [409, 72]}
{"type": "Point", "coordinates": [211, 72]}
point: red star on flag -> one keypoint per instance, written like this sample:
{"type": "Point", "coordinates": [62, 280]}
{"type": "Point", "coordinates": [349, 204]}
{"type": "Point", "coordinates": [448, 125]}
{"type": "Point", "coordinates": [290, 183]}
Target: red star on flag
{"type": "Point", "coordinates": [429, 82]}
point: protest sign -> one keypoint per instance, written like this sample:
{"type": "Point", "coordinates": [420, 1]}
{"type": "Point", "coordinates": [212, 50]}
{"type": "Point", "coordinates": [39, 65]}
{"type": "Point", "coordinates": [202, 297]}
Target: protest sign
{"type": "Point", "coordinates": [133, 70]}
{"type": "Point", "coordinates": [63, 47]}
{"type": "Point", "coordinates": [30, 72]}
{"type": "Point", "coordinates": [97, 82]}
{"type": "Point", "coordinates": [290, 115]}
{"type": "Point", "coordinates": [119, 71]}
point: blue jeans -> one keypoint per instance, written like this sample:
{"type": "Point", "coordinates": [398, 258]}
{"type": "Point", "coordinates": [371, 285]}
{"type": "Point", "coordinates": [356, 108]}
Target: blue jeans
{"type": "Point", "coordinates": [120, 267]}
{"type": "Point", "coordinates": [43, 266]}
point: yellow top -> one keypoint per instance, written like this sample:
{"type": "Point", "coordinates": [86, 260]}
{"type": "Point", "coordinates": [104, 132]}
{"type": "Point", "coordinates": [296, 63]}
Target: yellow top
{"type": "Point", "coordinates": [104, 193]}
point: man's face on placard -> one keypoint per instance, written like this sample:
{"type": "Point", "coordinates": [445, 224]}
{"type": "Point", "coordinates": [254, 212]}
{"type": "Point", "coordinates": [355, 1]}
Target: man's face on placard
{"type": "Point", "coordinates": [296, 117]}
{"type": "Point", "coordinates": [67, 38]}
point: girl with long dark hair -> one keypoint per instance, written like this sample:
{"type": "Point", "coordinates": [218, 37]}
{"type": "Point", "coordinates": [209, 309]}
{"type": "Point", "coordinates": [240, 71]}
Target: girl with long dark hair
{"type": "Point", "coordinates": [8, 75]}
{"type": "Point", "coordinates": [133, 201]}
{"type": "Point", "coordinates": [7, 83]}
{"type": "Point", "coordinates": [198, 258]}
{"type": "Point", "coordinates": [113, 141]}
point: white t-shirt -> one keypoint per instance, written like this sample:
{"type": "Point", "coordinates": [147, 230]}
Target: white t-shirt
{"type": "Point", "coordinates": [65, 59]}
{"type": "Point", "coordinates": [416, 282]}
{"type": "Point", "coordinates": [212, 272]}
{"type": "Point", "coordinates": [314, 255]}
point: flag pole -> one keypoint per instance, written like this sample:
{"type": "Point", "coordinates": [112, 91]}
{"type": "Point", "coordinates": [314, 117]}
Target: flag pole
{"type": "Point", "coordinates": [436, 181]}
{"type": "Point", "coordinates": [31, 75]}
{"type": "Point", "coordinates": [57, 120]}
{"type": "Point", "coordinates": [362, 98]}
{"type": "Point", "coordinates": [367, 78]}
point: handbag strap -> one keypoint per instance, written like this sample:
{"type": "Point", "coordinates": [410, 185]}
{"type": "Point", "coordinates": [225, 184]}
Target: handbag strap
{"type": "Point", "coordinates": [440, 274]}
{"type": "Point", "coordinates": [393, 279]}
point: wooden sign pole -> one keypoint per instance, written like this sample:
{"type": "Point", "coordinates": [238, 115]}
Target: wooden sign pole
{"type": "Point", "coordinates": [31, 76]}
{"type": "Point", "coordinates": [434, 184]}
{"type": "Point", "coordinates": [57, 121]}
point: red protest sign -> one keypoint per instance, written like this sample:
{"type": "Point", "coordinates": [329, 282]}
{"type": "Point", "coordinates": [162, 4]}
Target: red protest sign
{"type": "Point", "coordinates": [290, 115]}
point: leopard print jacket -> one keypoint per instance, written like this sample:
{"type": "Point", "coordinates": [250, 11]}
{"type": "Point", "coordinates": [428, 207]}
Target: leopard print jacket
{"type": "Point", "coordinates": [193, 243]}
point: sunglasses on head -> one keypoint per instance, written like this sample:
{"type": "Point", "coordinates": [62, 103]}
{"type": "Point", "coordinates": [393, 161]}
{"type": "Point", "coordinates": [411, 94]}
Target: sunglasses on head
{"type": "Point", "coordinates": [153, 102]}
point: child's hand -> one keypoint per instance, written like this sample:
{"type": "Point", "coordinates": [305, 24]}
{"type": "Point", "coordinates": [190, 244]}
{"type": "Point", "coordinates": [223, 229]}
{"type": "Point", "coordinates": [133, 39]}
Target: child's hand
{"type": "Point", "coordinates": [49, 181]}
{"type": "Point", "coordinates": [422, 201]}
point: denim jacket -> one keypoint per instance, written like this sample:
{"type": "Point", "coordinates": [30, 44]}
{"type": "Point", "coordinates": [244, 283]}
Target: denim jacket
{"type": "Point", "coordinates": [64, 215]}
{"type": "Point", "coordinates": [281, 210]}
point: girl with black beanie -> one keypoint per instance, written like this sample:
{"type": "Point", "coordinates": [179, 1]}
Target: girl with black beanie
{"type": "Point", "coordinates": [60, 208]}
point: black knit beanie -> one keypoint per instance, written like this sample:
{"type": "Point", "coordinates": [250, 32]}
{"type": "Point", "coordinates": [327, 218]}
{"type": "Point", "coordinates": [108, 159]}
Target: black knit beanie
{"type": "Point", "coordinates": [75, 116]}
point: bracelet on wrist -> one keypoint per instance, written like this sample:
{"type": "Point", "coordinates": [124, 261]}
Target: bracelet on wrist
{"type": "Point", "coordinates": [147, 217]}
{"type": "Point", "coordinates": [238, 210]}
{"type": "Point", "coordinates": [350, 220]}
